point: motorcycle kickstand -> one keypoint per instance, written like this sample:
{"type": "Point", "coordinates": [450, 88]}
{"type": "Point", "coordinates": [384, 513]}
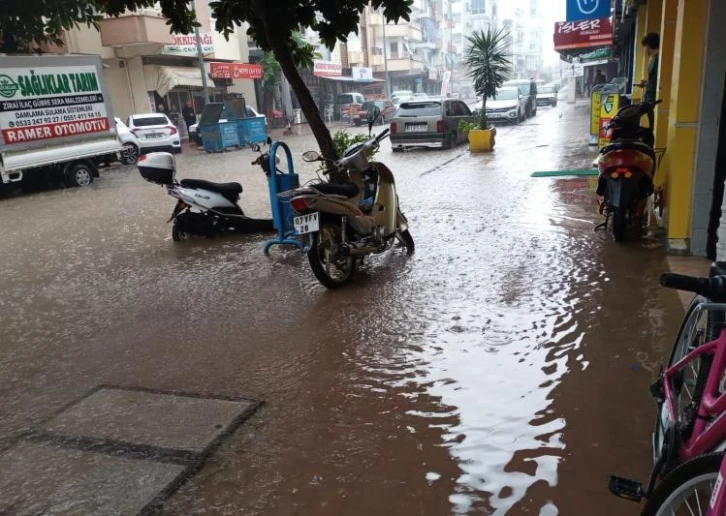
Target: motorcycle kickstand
{"type": "Point", "coordinates": [603, 225]}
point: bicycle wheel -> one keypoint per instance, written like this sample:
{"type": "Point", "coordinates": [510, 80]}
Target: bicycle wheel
{"type": "Point", "coordinates": [687, 489]}
{"type": "Point", "coordinates": [692, 334]}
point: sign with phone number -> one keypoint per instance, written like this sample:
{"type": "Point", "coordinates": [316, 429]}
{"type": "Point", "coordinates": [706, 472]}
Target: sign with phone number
{"type": "Point", "coordinates": [50, 102]}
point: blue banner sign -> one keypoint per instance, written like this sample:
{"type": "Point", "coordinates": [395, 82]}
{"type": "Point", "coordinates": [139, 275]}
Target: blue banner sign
{"type": "Point", "coordinates": [587, 9]}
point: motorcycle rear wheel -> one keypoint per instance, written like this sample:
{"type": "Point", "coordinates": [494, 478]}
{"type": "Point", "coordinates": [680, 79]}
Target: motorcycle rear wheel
{"type": "Point", "coordinates": [620, 224]}
{"type": "Point", "coordinates": [331, 270]}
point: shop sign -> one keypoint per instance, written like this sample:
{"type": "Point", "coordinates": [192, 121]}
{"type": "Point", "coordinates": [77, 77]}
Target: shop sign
{"type": "Point", "coordinates": [327, 69]}
{"type": "Point", "coordinates": [583, 34]}
{"type": "Point", "coordinates": [587, 9]}
{"type": "Point", "coordinates": [362, 74]}
{"type": "Point", "coordinates": [608, 107]}
{"type": "Point", "coordinates": [594, 113]}
{"type": "Point", "coordinates": [186, 44]}
{"type": "Point", "coordinates": [45, 103]}
{"type": "Point", "coordinates": [235, 71]}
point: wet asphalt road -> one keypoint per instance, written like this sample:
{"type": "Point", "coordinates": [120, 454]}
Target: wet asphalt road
{"type": "Point", "coordinates": [502, 369]}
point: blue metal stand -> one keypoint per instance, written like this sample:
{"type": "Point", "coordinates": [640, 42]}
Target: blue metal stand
{"type": "Point", "coordinates": [282, 212]}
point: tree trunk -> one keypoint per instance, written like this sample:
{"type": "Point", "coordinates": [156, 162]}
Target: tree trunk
{"type": "Point", "coordinates": [280, 47]}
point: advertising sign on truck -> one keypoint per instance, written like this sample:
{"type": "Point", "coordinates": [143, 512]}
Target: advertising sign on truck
{"type": "Point", "coordinates": [55, 111]}
{"type": "Point", "coordinates": [40, 103]}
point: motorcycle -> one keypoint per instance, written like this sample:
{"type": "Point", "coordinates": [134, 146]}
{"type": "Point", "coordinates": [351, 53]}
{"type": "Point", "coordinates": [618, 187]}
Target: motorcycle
{"type": "Point", "coordinates": [344, 222]}
{"type": "Point", "coordinates": [626, 167]}
{"type": "Point", "coordinates": [203, 208]}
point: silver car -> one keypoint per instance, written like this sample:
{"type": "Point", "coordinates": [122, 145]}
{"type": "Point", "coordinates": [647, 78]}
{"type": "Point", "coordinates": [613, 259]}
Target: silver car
{"type": "Point", "coordinates": [429, 123]}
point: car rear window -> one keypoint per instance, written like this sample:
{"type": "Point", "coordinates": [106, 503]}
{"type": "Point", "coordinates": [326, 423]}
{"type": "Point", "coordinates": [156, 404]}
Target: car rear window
{"type": "Point", "coordinates": [419, 109]}
{"type": "Point", "coordinates": [547, 89]}
{"type": "Point", "coordinates": [367, 105]}
{"type": "Point", "coordinates": [150, 120]}
{"type": "Point", "coordinates": [345, 99]}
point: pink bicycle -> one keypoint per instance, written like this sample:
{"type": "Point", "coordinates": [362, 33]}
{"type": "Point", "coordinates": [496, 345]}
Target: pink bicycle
{"type": "Point", "coordinates": [693, 392]}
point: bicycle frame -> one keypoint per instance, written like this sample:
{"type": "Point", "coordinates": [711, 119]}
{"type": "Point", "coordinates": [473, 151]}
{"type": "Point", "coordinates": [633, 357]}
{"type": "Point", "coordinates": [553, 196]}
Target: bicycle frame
{"type": "Point", "coordinates": [717, 505]}
{"type": "Point", "coordinates": [706, 434]}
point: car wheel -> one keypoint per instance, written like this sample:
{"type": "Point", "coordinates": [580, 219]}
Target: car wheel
{"type": "Point", "coordinates": [129, 154]}
{"type": "Point", "coordinates": [80, 174]}
{"type": "Point", "coordinates": [449, 141]}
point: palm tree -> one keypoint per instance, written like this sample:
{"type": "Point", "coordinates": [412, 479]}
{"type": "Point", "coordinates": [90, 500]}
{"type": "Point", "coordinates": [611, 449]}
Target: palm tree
{"type": "Point", "coordinates": [488, 64]}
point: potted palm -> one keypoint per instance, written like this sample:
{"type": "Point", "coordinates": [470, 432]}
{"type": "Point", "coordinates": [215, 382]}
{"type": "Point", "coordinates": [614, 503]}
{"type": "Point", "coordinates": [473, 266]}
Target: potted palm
{"type": "Point", "coordinates": [488, 63]}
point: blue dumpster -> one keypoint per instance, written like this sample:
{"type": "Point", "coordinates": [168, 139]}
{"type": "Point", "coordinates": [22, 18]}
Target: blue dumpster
{"type": "Point", "coordinates": [251, 130]}
{"type": "Point", "coordinates": [219, 136]}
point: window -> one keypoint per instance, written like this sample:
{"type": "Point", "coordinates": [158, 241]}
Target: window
{"type": "Point", "coordinates": [413, 109]}
{"type": "Point", "coordinates": [394, 49]}
{"type": "Point", "coordinates": [463, 109]}
{"type": "Point", "coordinates": [478, 6]}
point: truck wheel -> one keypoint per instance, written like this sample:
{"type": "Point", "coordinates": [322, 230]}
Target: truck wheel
{"type": "Point", "coordinates": [80, 174]}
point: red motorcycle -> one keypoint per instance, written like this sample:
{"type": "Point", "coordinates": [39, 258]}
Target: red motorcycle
{"type": "Point", "coordinates": [626, 167]}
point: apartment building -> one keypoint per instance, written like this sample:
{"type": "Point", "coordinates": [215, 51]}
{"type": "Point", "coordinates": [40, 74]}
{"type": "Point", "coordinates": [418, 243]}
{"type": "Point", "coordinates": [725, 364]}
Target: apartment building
{"type": "Point", "coordinates": [145, 65]}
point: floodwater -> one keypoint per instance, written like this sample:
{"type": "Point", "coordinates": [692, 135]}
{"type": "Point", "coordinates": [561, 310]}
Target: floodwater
{"type": "Point", "coordinates": [502, 369]}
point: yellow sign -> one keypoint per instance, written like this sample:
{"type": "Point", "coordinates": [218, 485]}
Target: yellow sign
{"type": "Point", "coordinates": [594, 113]}
{"type": "Point", "coordinates": [608, 107]}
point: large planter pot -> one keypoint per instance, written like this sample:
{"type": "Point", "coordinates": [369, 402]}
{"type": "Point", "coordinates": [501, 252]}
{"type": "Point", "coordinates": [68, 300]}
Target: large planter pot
{"type": "Point", "coordinates": [482, 140]}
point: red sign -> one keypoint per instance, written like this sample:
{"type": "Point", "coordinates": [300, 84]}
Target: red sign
{"type": "Point", "coordinates": [327, 69]}
{"type": "Point", "coordinates": [57, 130]}
{"type": "Point", "coordinates": [235, 71]}
{"type": "Point", "coordinates": [583, 34]}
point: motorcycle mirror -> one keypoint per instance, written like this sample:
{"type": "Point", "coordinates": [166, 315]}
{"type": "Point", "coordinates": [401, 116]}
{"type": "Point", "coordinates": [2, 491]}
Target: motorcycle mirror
{"type": "Point", "coordinates": [269, 141]}
{"type": "Point", "coordinates": [255, 147]}
{"type": "Point", "coordinates": [310, 156]}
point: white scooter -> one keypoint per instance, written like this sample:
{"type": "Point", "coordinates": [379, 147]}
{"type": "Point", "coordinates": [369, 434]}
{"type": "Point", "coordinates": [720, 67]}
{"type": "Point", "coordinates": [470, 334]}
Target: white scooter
{"type": "Point", "coordinates": [203, 208]}
{"type": "Point", "coordinates": [344, 222]}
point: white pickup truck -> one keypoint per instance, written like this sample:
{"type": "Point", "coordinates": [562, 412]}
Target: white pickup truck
{"type": "Point", "coordinates": [56, 118]}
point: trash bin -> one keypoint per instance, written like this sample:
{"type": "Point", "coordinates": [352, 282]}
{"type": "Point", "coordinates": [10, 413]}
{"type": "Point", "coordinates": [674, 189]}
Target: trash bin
{"type": "Point", "coordinates": [217, 132]}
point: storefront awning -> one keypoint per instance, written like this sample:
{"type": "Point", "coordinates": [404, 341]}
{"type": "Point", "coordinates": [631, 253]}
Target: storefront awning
{"type": "Point", "coordinates": [165, 78]}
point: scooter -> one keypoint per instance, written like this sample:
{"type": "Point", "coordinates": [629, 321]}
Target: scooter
{"type": "Point", "coordinates": [203, 208]}
{"type": "Point", "coordinates": [626, 167]}
{"type": "Point", "coordinates": [344, 222]}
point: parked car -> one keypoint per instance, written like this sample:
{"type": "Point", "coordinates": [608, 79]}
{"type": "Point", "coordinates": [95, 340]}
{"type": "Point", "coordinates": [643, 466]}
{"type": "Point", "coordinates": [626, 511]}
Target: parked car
{"type": "Point", "coordinates": [547, 95]}
{"type": "Point", "coordinates": [509, 105]}
{"type": "Point", "coordinates": [196, 137]}
{"type": "Point", "coordinates": [347, 100]}
{"type": "Point", "coordinates": [429, 123]}
{"type": "Point", "coordinates": [130, 145]}
{"type": "Point", "coordinates": [155, 132]}
{"type": "Point", "coordinates": [386, 106]}
{"type": "Point", "coordinates": [529, 91]}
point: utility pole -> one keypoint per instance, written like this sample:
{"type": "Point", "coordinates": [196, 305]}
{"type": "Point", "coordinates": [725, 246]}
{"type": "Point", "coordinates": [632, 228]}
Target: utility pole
{"type": "Point", "coordinates": [387, 84]}
{"type": "Point", "coordinates": [200, 58]}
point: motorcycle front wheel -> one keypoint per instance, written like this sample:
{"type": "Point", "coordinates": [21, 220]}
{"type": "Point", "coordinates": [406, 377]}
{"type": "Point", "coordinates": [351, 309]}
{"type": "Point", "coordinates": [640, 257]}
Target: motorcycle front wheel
{"type": "Point", "coordinates": [330, 268]}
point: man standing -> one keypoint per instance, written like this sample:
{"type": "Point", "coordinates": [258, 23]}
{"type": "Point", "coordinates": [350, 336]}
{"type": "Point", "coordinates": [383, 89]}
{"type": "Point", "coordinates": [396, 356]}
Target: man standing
{"type": "Point", "coordinates": [599, 78]}
{"type": "Point", "coordinates": [189, 117]}
{"type": "Point", "coordinates": [651, 44]}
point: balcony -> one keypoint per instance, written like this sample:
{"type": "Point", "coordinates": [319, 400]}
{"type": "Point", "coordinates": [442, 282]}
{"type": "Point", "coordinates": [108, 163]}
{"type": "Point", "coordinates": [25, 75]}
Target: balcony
{"type": "Point", "coordinates": [143, 27]}
{"type": "Point", "coordinates": [396, 64]}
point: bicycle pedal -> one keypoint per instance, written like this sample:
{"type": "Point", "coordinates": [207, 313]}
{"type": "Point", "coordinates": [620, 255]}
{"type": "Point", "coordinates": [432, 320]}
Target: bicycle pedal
{"type": "Point", "coordinates": [626, 488]}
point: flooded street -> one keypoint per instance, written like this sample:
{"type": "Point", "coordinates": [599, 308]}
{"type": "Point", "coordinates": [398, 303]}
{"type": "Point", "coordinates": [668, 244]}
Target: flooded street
{"type": "Point", "coordinates": [502, 369]}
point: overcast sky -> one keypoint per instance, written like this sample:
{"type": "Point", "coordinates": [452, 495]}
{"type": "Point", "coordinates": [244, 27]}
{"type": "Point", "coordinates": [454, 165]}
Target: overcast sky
{"type": "Point", "coordinates": [552, 11]}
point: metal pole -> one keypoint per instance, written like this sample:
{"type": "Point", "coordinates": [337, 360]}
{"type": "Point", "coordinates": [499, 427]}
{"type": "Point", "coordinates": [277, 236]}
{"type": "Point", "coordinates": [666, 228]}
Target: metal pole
{"type": "Point", "coordinates": [200, 58]}
{"type": "Point", "coordinates": [385, 57]}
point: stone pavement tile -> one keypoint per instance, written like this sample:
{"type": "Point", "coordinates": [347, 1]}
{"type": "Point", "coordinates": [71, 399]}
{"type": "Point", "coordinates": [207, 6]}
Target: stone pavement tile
{"type": "Point", "coordinates": [44, 479]}
{"type": "Point", "coordinates": [150, 419]}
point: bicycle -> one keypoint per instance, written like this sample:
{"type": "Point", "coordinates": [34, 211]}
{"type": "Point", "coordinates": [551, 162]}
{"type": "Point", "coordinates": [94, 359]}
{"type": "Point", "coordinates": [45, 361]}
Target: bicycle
{"type": "Point", "coordinates": [694, 424]}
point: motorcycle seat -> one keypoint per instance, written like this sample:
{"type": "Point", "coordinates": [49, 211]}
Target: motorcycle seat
{"type": "Point", "coordinates": [230, 191]}
{"type": "Point", "coordinates": [626, 145]}
{"type": "Point", "coordinates": [345, 189]}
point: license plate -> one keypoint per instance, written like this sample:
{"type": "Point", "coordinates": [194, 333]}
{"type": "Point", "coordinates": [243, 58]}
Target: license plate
{"type": "Point", "coordinates": [154, 135]}
{"type": "Point", "coordinates": [309, 223]}
{"type": "Point", "coordinates": [416, 128]}
{"type": "Point", "coordinates": [495, 115]}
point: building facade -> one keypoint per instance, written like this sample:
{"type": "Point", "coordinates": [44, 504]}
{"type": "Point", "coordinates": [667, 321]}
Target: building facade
{"type": "Point", "coordinates": [145, 66]}
{"type": "Point", "coordinates": [689, 121]}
